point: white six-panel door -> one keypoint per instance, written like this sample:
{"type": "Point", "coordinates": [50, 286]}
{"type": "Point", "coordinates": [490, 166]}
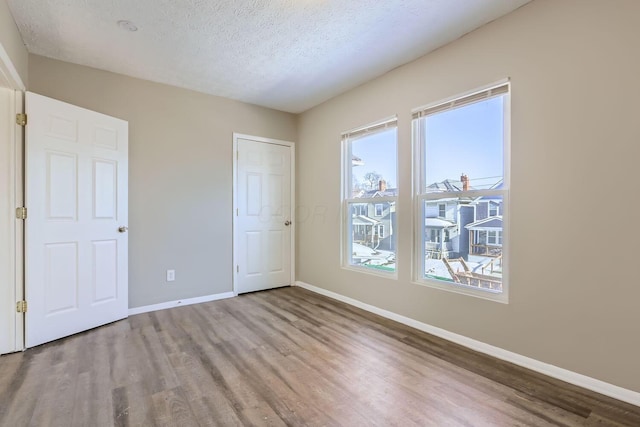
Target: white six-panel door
{"type": "Point", "coordinates": [263, 218]}
{"type": "Point", "coordinates": [76, 196]}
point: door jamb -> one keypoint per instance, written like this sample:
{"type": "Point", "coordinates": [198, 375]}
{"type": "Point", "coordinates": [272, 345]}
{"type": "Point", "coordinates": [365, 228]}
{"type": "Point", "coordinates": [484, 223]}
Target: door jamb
{"type": "Point", "coordinates": [19, 223]}
{"type": "Point", "coordinates": [16, 193]}
{"type": "Point", "coordinates": [292, 147]}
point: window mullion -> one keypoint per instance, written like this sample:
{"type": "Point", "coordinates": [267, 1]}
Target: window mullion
{"type": "Point", "coordinates": [462, 194]}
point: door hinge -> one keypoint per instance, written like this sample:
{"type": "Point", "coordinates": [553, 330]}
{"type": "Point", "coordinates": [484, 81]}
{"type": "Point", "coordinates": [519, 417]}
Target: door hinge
{"type": "Point", "coordinates": [21, 213]}
{"type": "Point", "coordinates": [237, 269]}
{"type": "Point", "coordinates": [21, 306]}
{"type": "Point", "coordinates": [21, 119]}
{"type": "Point", "coordinates": [237, 212]}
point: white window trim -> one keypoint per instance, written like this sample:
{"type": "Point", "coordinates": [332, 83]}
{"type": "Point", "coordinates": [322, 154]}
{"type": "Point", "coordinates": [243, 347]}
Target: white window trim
{"type": "Point", "coordinates": [347, 200]}
{"type": "Point", "coordinates": [375, 208]}
{"type": "Point", "coordinates": [497, 237]}
{"type": "Point", "coordinates": [497, 205]}
{"type": "Point", "coordinates": [359, 210]}
{"type": "Point", "coordinates": [418, 190]}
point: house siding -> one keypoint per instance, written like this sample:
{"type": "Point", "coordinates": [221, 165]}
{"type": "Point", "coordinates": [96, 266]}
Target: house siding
{"type": "Point", "coordinates": [466, 217]}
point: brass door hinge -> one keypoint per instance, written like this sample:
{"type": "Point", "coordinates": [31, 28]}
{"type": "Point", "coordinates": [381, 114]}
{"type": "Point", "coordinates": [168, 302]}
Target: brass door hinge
{"type": "Point", "coordinates": [21, 213]}
{"type": "Point", "coordinates": [21, 119]}
{"type": "Point", "coordinates": [21, 306]}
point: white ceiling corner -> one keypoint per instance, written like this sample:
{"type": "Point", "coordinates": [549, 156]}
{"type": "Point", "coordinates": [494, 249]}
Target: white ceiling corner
{"type": "Point", "coordinates": [288, 55]}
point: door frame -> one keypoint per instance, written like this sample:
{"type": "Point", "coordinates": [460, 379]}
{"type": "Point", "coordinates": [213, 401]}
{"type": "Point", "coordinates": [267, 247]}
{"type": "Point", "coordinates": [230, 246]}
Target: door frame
{"type": "Point", "coordinates": [236, 257]}
{"type": "Point", "coordinates": [12, 286]}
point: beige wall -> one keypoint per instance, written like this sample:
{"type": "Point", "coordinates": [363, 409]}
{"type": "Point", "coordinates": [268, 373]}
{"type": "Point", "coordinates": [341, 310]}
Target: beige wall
{"type": "Point", "coordinates": [180, 180]}
{"type": "Point", "coordinates": [11, 41]}
{"type": "Point", "coordinates": [575, 75]}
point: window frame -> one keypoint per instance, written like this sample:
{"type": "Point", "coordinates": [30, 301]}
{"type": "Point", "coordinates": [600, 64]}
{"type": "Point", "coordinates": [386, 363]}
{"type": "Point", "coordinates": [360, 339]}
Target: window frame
{"type": "Point", "coordinates": [347, 200]}
{"type": "Point", "coordinates": [375, 208]}
{"type": "Point", "coordinates": [420, 195]}
{"type": "Point", "coordinates": [442, 207]}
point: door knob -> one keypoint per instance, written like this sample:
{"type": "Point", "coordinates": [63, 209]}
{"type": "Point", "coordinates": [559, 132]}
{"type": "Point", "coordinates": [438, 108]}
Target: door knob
{"type": "Point", "coordinates": [123, 229]}
{"type": "Point", "coordinates": [287, 223]}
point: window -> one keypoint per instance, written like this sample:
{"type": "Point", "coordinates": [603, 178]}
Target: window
{"type": "Point", "coordinates": [494, 237]}
{"type": "Point", "coordinates": [359, 209]}
{"type": "Point", "coordinates": [369, 197]}
{"type": "Point", "coordinates": [462, 167]}
{"type": "Point", "coordinates": [493, 209]}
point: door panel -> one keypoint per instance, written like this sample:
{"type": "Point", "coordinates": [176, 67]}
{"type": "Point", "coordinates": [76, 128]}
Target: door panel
{"type": "Point", "coordinates": [104, 189]}
{"type": "Point", "coordinates": [105, 266]}
{"type": "Point", "coordinates": [61, 186]}
{"type": "Point", "coordinates": [264, 194]}
{"type": "Point", "coordinates": [76, 196]}
{"type": "Point", "coordinates": [61, 277]}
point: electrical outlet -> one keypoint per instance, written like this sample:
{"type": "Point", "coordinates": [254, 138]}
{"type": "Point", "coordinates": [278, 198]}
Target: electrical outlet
{"type": "Point", "coordinates": [171, 275]}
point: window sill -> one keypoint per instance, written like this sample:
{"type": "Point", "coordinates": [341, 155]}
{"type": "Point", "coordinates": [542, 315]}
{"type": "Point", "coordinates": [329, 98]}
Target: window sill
{"type": "Point", "coordinates": [501, 297]}
{"type": "Point", "coordinates": [372, 271]}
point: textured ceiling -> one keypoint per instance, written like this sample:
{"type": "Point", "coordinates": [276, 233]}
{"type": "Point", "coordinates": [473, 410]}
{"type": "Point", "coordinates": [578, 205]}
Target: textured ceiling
{"type": "Point", "coordinates": [285, 54]}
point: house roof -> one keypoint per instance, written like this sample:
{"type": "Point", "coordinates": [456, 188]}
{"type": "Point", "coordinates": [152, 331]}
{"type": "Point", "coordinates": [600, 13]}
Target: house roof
{"type": "Point", "coordinates": [446, 185]}
{"type": "Point", "coordinates": [456, 185]}
{"type": "Point", "coordinates": [493, 222]}
{"type": "Point", "coordinates": [438, 223]}
{"type": "Point", "coordinates": [389, 192]}
{"type": "Point", "coordinates": [364, 220]}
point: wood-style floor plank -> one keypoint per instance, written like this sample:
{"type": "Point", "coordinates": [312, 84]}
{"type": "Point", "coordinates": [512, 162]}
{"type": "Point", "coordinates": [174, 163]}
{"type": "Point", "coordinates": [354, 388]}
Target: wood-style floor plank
{"type": "Point", "coordinates": [286, 357]}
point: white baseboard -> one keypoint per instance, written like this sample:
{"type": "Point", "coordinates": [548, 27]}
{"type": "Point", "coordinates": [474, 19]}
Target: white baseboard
{"type": "Point", "coordinates": [562, 374]}
{"type": "Point", "coordinates": [178, 303]}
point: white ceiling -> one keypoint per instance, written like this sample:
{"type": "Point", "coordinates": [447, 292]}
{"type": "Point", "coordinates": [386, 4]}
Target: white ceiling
{"type": "Point", "coordinates": [285, 54]}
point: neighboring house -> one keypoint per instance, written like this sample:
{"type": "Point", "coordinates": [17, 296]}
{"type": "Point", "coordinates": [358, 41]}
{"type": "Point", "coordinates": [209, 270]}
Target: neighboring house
{"type": "Point", "coordinates": [444, 220]}
{"type": "Point", "coordinates": [485, 232]}
{"type": "Point", "coordinates": [374, 223]}
{"type": "Point", "coordinates": [463, 227]}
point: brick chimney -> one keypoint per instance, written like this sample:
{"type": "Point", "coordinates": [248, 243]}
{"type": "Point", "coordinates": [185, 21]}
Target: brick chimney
{"type": "Point", "coordinates": [465, 182]}
{"type": "Point", "coordinates": [382, 185]}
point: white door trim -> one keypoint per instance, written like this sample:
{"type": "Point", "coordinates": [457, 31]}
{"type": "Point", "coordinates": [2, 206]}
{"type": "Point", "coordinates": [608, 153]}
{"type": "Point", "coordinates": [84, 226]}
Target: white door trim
{"type": "Point", "coordinates": [18, 243]}
{"type": "Point", "coordinates": [12, 289]}
{"type": "Point", "coordinates": [9, 72]}
{"type": "Point", "coordinates": [292, 146]}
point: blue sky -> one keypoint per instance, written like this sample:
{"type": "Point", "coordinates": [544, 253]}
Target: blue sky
{"type": "Point", "coordinates": [463, 140]}
{"type": "Point", "coordinates": [378, 152]}
{"type": "Point", "coordinates": [466, 140]}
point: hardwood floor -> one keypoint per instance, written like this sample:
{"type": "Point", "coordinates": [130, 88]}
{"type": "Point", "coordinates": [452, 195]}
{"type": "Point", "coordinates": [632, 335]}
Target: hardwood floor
{"type": "Point", "coordinates": [282, 357]}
